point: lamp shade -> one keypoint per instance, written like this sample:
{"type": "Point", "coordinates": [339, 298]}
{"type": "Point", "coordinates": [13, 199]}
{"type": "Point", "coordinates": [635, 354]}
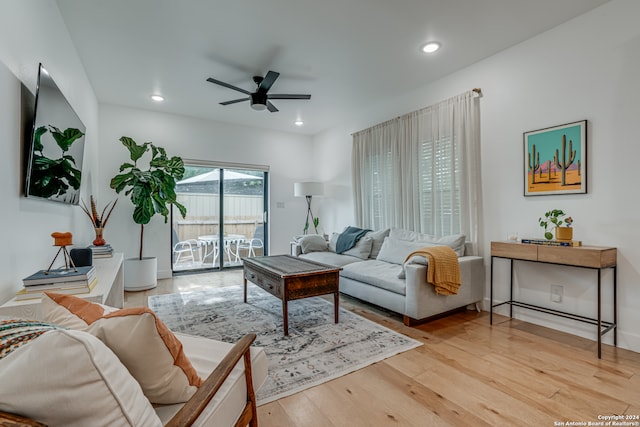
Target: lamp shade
{"type": "Point", "coordinates": [303, 189]}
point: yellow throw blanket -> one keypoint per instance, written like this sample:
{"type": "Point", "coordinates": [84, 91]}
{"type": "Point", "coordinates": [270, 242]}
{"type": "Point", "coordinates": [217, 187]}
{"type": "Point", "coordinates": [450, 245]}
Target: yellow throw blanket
{"type": "Point", "coordinates": [443, 270]}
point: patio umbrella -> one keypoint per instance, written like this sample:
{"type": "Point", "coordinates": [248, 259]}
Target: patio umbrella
{"type": "Point", "coordinates": [235, 183]}
{"type": "Point", "coordinates": [214, 175]}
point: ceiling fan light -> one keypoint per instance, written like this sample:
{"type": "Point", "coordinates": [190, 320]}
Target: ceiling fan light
{"type": "Point", "coordinates": [259, 101]}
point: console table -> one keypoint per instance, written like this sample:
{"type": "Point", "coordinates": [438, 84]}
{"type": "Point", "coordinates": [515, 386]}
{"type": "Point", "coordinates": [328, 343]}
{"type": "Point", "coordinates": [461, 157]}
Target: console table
{"type": "Point", "coordinates": [591, 257]}
{"type": "Point", "coordinates": [109, 290]}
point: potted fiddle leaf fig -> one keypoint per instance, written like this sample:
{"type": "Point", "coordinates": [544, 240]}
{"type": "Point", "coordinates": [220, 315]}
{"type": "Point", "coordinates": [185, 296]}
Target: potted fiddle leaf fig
{"type": "Point", "coordinates": [152, 191]}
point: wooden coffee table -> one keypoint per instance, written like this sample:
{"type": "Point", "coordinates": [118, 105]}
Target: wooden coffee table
{"type": "Point", "coordinates": [290, 278]}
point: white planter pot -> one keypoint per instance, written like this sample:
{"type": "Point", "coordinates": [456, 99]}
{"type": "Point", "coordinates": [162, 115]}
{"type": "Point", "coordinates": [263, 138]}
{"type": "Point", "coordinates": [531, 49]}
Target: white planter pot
{"type": "Point", "coordinates": [140, 274]}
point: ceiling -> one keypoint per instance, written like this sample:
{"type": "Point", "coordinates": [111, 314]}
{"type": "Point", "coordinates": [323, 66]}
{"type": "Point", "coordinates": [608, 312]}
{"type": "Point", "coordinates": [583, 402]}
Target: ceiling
{"type": "Point", "coordinates": [346, 54]}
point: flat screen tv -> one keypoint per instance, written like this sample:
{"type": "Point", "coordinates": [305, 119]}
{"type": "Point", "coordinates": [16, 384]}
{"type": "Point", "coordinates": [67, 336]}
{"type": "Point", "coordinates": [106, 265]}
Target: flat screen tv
{"type": "Point", "coordinates": [54, 169]}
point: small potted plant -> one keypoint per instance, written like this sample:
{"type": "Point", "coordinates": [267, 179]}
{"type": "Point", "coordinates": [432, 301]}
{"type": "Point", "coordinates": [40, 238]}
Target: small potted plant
{"type": "Point", "coordinates": [559, 220]}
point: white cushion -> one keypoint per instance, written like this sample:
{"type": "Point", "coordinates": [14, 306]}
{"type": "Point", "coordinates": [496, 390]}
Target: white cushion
{"type": "Point", "coordinates": [224, 409]}
{"type": "Point", "coordinates": [312, 243]}
{"type": "Point", "coordinates": [395, 251]}
{"type": "Point", "coordinates": [70, 378]}
{"type": "Point", "coordinates": [454, 241]}
{"type": "Point", "coordinates": [148, 349]}
{"type": "Point", "coordinates": [362, 249]}
{"type": "Point", "coordinates": [378, 239]}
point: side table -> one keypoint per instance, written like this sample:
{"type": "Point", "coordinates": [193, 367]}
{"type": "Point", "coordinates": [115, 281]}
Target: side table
{"type": "Point", "coordinates": [591, 257]}
{"type": "Point", "coordinates": [109, 290]}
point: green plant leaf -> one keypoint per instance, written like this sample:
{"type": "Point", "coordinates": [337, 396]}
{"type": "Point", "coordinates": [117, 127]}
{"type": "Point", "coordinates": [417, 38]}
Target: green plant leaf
{"type": "Point", "coordinates": [151, 191]}
{"type": "Point", "coordinates": [37, 138]}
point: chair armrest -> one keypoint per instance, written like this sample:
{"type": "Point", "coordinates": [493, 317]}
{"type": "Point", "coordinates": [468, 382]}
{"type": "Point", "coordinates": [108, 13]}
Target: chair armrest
{"type": "Point", "coordinates": [187, 415]}
{"type": "Point", "coordinates": [8, 419]}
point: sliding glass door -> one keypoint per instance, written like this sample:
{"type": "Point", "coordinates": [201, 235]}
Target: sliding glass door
{"type": "Point", "coordinates": [226, 217]}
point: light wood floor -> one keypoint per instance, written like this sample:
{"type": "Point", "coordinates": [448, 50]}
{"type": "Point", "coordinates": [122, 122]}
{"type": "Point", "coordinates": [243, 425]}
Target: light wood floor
{"type": "Point", "coordinates": [467, 373]}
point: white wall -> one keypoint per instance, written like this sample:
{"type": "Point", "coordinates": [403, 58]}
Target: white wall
{"type": "Point", "coordinates": [206, 141]}
{"type": "Point", "coordinates": [587, 68]}
{"type": "Point", "coordinates": [32, 31]}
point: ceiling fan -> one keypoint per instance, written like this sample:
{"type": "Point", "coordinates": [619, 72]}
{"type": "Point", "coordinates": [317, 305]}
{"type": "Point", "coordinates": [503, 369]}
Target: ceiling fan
{"type": "Point", "coordinates": [260, 98]}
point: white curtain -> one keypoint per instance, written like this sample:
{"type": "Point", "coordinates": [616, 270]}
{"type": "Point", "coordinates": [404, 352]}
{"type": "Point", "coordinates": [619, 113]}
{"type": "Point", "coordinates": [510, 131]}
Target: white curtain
{"type": "Point", "coordinates": [421, 171]}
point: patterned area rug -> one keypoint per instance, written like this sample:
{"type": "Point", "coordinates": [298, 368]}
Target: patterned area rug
{"type": "Point", "coordinates": [316, 350]}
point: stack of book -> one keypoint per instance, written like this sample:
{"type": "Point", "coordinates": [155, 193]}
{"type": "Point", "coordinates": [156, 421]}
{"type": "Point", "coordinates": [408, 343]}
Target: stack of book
{"type": "Point", "coordinates": [570, 243]}
{"type": "Point", "coordinates": [104, 251]}
{"type": "Point", "coordinates": [61, 281]}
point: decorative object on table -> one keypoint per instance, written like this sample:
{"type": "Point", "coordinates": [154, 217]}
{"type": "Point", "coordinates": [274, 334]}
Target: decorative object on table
{"type": "Point", "coordinates": [569, 243]}
{"type": "Point", "coordinates": [317, 349]}
{"type": "Point", "coordinates": [151, 191]}
{"type": "Point", "coordinates": [556, 218]}
{"type": "Point", "coordinates": [62, 280]}
{"type": "Point", "coordinates": [104, 251]}
{"type": "Point", "coordinates": [308, 190]}
{"type": "Point", "coordinates": [81, 257]}
{"type": "Point", "coordinates": [62, 239]}
{"type": "Point", "coordinates": [99, 221]}
{"type": "Point", "coordinates": [555, 160]}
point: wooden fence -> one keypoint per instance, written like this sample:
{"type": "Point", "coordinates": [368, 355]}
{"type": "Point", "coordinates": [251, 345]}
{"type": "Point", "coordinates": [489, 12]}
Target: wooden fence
{"type": "Point", "coordinates": [242, 214]}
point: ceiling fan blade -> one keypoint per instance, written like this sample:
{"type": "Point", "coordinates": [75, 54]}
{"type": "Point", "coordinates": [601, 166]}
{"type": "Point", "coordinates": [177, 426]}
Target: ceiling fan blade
{"type": "Point", "coordinates": [268, 81]}
{"type": "Point", "coordinates": [234, 101]}
{"type": "Point", "coordinates": [288, 96]}
{"type": "Point", "coordinates": [227, 85]}
{"type": "Point", "coordinates": [271, 107]}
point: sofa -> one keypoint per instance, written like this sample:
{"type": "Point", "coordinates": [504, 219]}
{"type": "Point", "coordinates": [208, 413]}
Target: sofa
{"type": "Point", "coordinates": [376, 271]}
{"type": "Point", "coordinates": [87, 364]}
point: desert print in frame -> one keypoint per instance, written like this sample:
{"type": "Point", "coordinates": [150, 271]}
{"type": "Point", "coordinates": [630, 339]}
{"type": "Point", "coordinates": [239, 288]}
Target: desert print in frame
{"type": "Point", "coordinates": [555, 160]}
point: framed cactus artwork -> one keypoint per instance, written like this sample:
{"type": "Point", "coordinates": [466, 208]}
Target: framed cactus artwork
{"type": "Point", "coordinates": [555, 160]}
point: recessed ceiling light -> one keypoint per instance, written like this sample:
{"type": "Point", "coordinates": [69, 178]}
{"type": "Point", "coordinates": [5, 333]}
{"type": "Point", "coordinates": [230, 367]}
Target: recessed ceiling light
{"type": "Point", "coordinates": [157, 98]}
{"type": "Point", "coordinates": [430, 47]}
{"type": "Point", "coordinates": [298, 122]}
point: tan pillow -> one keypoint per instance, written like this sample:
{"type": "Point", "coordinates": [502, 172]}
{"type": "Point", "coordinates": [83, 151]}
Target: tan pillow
{"type": "Point", "coordinates": [142, 342]}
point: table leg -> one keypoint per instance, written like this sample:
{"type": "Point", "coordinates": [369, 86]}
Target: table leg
{"type": "Point", "coordinates": [599, 317]}
{"type": "Point", "coordinates": [285, 317]}
{"type": "Point", "coordinates": [245, 287]}
{"type": "Point", "coordinates": [491, 294]}
{"type": "Point", "coordinates": [336, 300]}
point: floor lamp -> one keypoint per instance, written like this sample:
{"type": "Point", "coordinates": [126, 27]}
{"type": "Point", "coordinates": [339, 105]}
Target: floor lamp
{"type": "Point", "coordinates": [308, 190]}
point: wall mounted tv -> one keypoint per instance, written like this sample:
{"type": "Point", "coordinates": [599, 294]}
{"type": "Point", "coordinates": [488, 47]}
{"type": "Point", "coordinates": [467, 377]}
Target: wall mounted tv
{"type": "Point", "coordinates": [54, 168]}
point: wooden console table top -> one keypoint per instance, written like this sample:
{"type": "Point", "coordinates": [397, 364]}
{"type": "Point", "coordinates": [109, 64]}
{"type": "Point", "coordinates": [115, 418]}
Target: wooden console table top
{"type": "Point", "coordinates": [579, 256]}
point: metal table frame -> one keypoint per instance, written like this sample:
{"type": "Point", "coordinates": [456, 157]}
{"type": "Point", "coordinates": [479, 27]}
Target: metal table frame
{"type": "Point", "coordinates": [603, 326]}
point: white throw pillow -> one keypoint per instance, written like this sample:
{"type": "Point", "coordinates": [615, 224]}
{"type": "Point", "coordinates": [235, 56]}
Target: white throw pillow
{"type": "Point", "coordinates": [454, 241]}
{"type": "Point", "coordinates": [362, 249]}
{"type": "Point", "coordinates": [395, 251]}
{"type": "Point", "coordinates": [313, 243]}
{"type": "Point", "coordinates": [378, 239]}
{"type": "Point", "coordinates": [142, 342]}
{"type": "Point", "coordinates": [333, 241]}
{"type": "Point", "coordinates": [70, 378]}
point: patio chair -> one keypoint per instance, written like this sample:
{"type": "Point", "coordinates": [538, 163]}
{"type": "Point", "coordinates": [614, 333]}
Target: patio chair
{"type": "Point", "coordinates": [185, 250]}
{"type": "Point", "coordinates": [250, 245]}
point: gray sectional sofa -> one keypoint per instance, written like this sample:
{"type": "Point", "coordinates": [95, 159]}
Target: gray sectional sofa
{"type": "Point", "coordinates": [374, 271]}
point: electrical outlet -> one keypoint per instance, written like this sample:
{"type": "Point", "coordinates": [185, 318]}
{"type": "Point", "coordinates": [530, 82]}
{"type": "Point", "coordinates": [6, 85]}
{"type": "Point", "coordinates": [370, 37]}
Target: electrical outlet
{"type": "Point", "coordinates": [556, 293]}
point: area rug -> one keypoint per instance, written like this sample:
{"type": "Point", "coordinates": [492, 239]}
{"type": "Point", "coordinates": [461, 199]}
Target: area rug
{"type": "Point", "coordinates": [316, 350]}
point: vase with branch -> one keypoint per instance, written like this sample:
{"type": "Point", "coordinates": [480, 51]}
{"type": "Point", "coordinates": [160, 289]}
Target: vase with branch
{"type": "Point", "coordinates": [98, 220]}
